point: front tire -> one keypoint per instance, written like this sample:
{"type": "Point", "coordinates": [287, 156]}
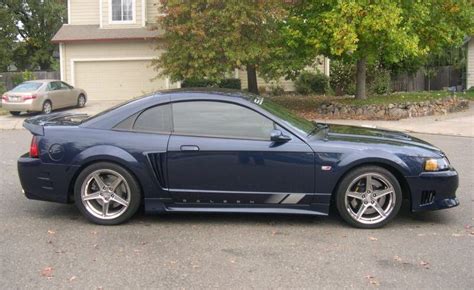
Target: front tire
{"type": "Point", "coordinates": [107, 194]}
{"type": "Point", "coordinates": [15, 113]}
{"type": "Point", "coordinates": [369, 197]}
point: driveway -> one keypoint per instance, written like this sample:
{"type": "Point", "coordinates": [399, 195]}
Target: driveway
{"type": "Point", "coordinates": [46, 245]}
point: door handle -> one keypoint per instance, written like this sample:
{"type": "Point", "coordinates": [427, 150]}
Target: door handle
{"type": "Point", "coordinates": [189, 148]}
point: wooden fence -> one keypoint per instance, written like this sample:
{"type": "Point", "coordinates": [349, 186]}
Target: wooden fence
{"type": "Point", "coordinates": [445, 76]}
{"type": "Point", "coordinates": [10, 79]}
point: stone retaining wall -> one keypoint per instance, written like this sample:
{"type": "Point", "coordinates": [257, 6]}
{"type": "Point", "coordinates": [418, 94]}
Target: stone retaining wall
{"type": "Point", "coordinates": [336, 110]}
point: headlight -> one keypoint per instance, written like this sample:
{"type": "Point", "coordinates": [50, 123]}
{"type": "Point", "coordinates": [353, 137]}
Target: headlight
{"type": "Point", "coordinates": [436, 164]}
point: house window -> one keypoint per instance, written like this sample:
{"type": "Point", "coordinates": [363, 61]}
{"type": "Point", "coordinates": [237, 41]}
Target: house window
{"type": "Point", "coordinates": [122, 10]}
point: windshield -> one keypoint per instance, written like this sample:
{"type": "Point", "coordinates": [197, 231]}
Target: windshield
{"type": "Point", "coordinates": [27, 87]}
{"type": "Point", "coordinates": [305, 126]}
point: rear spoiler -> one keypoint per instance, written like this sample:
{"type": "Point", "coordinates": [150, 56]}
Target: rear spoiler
{"type": "Point", "coordinates": [36, 124]}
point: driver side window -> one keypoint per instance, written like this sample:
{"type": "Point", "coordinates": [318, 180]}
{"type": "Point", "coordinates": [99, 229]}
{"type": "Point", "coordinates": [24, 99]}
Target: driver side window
{"type": "Point", "coordinates": [220, 119]}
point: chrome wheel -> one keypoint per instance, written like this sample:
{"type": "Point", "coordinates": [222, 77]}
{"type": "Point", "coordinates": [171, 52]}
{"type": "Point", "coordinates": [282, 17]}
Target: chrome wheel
{"type": "Point", "coordinates": [105, 194]}
{"type": "Point", "coordinates": [370, 198]}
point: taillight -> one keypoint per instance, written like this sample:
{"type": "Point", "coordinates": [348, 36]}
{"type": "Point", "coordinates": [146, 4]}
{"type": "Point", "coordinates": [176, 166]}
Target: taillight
{"type": "Point", "coordinates": [5, 97]}
{"type": "Point", "coordinates": [32, 97]}
{"type": "Point", "coordinates": [34, 149]}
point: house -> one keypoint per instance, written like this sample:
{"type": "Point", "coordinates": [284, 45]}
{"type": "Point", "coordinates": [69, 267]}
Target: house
{"type": "Point", "coordinates": [470, 63]}
{"type": "Point", "coordinates": [107, 48]}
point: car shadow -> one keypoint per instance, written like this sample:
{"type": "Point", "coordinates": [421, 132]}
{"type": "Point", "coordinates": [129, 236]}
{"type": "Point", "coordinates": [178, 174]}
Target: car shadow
{"type": "Point", "coordinates": [405, 218]}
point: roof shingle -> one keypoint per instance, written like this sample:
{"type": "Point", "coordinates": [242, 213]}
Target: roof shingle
{"type": "Point", "coordinates": [70, 33]}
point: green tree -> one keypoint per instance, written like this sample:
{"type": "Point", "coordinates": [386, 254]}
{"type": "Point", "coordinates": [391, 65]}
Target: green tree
{"type": "Point", "coordinates": [210, 38]}
{"type": "Point", "coordinates": [36, 23]}
{"type": "Point", "coordinates": [7, 37]}
{"type": "Point", "coordinates": [385, 31]}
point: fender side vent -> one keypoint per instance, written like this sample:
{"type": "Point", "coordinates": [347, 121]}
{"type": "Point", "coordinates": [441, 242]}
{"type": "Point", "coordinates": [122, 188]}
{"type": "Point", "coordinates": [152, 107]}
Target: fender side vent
{"type": "Point", "coordinates": [427, 197]}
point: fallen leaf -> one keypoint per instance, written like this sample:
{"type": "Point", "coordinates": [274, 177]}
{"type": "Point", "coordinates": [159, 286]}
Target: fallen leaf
{"type": "Point", "coordinates": [372, 280]}
{"type": "Point", "coordinates": [94, 232]}
{"type": "Point", "coordinates": [72, 278]}
{"type": "Point", "coordinates": [425, 264]}
{"type": "Point", "coordinates": [472, 233]}
{"type": "Point", "coordinates": [373, 239]}
{"type": "Point", "coordinates": [397, 258]}
{"type": "Point", "coordinates": [47, 272]}
{"type": "Point", "coordinates": [51, 232]}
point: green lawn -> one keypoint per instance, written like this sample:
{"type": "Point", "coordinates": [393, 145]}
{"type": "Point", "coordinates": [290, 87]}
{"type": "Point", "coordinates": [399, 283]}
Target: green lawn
{"type": "Point", "coordinates": [304, 104]}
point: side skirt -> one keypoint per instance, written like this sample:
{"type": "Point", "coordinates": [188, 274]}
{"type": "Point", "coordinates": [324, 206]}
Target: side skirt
{"type": "Point", "coordinates": [157, 205]}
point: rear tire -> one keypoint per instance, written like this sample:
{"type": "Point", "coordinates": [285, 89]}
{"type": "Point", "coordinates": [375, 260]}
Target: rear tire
{"type": "Point", "coordinates": [47, 107]}
{"type": "Point", "coordinates": [107, 194]}
{"type": "Point", "coordinates": [81, 101]}
{"type": "Point", "coordinates": [15, 113]}
{"type": "Point", "coordinates": [368, 197]}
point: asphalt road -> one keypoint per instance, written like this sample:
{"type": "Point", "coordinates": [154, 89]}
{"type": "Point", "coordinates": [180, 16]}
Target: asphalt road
{"type": "Point", "coordinates": [46, 245]}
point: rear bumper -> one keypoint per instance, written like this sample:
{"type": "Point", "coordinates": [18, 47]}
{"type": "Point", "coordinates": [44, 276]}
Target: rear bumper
{"type": "Point", "coordinates": [41, 181]}
{"type": "Point", "coordinates": [434, 190]}
{"type": "Point", "coordinates": [29, 105]}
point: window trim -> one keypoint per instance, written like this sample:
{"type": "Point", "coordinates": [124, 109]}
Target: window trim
{"type": "Point", "coordinates": [174, 133]}
{"type": "Point", "coordinates": [134, 14]}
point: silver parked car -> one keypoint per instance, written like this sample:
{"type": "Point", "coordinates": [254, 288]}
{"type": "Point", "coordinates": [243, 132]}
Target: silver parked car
{"type": "Point", "coordinates": [42, 96]}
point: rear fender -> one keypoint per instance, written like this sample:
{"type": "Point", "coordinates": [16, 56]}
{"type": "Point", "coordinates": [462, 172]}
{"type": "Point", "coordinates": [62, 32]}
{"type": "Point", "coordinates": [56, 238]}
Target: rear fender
{"type": "Point", "coordinates": [121, 157]}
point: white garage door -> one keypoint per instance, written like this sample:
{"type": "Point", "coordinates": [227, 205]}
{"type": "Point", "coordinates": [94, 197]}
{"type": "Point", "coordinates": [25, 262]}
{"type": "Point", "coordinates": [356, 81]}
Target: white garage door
{"type": "Point", "coordinates": [117, 80]}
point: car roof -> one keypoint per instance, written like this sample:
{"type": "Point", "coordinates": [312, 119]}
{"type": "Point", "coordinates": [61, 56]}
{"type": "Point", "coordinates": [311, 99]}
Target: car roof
{"type": "Point", "coordinates": [43, 81]}
{"type": "Point", "coordinates": [208, 91]}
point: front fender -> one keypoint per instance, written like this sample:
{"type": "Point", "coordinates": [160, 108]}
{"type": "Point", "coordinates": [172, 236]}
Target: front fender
{"type": "Point", "coordinates": [346, 162]}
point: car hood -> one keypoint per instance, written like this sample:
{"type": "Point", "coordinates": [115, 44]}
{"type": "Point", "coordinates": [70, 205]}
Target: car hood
{"type": "Point", "coordinates": [373, 136]}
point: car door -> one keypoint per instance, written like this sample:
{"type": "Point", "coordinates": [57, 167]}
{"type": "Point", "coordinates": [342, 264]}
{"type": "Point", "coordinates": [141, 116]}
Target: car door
{"type": "Point", "coordinates": [221, 153]}
{"type": "Point", "coordinates": [70, 95]}
{"type": "Point", "coordinates": [54, 94]}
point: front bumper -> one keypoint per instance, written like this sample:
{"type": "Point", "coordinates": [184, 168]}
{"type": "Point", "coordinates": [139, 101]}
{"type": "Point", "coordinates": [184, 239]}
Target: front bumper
{"type": "Point", "coordinates": [43, 181]}
{"type": "Point", "coordinates": [433, 190]}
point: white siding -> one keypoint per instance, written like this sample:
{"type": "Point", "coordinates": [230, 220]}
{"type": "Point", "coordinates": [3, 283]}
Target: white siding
{"type": "Point", "coordinates": [84, 12]}
{"type": "Point", "coordinates": [470, 64]}
{"type": "Point", "coordinates": [152, 10]}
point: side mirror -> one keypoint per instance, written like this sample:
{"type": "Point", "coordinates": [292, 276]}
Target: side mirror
{"type": "Point", "coordinates": [278, 136]}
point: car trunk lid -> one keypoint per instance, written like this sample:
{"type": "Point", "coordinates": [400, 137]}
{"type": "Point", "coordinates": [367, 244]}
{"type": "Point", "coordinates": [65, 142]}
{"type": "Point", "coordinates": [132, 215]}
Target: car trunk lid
{"type": "Point", "coordinates": [36, 124]}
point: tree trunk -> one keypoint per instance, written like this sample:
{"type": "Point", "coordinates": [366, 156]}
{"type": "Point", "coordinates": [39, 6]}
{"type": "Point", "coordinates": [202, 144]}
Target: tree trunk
{"type": "Point", "coordinates": [361, 78]}
{"type": "Point", "coordinates": [252, 79]}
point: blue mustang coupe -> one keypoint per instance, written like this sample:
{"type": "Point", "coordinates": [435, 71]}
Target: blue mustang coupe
{"type": "Point", "coordinates": [226, 151]}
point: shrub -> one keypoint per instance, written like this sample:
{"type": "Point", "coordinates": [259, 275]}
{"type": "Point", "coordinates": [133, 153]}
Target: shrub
{"type": "Point", "coordinates": [275, 89]}
{"type": "Point", "coordinates": [230, 84]}
{"type": "Point", "coordinates": [379, 81]}
{"type": "Point", "coordinates": [197, 83]}
{"type": "Point", "coordinates": [342, 78]}
{"type": "Point", "coordinates": [309, 82]}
